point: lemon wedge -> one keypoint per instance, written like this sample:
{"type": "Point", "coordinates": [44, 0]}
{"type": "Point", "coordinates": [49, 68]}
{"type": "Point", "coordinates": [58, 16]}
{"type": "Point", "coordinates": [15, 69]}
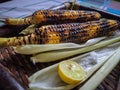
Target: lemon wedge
{"type": "Point", "coordinates": [71, 72]}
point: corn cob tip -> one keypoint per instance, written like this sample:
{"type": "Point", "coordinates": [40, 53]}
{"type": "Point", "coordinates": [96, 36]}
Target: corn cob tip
{"type": "Point", "coordinates": [111, 22]}
{"type": "Point", "coordinates": [8, 21]}
{"type": "Point", "coordinates": [3, 42]}
{"type": "Point", "coordinates": [98, 15]}
{"type": "Point", "coordinates": [13, 21]}
{"type": "Point", "coordinates": [18, 21]}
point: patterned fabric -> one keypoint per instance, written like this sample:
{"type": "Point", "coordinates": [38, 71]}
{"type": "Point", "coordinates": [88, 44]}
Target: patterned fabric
{"type": "Point", "coordinates": [22, 8]}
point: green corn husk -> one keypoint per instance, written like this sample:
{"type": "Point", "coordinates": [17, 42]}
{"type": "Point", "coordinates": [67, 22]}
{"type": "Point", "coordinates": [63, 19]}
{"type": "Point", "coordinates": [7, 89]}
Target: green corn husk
{"type": "Point", "coordinates": [61, 54]}
{"type": "Point", "coordinates": [94, 81]}
{"type": "Point", "coordinates": [28, 30]}
{"type": "Point", "coordinates": [33, 49]}
{"type": "Point", "coordinates": [48, 79]}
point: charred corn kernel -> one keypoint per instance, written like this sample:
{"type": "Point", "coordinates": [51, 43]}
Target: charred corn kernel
{"type": "Point", "coordinates": [77, 33]}
{"type": "Point", "coordinates": [55, 16]}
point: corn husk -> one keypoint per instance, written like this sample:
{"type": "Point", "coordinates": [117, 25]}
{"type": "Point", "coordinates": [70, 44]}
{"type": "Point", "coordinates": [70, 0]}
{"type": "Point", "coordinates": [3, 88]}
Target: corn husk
{"type": "Point", "coordinates": [48, 79]}
{"type": "Point", "coordinates": [33, 49]}
{"type": "Point", "coordinates": [28, 30]}
{"type": "Point", "coordinates": [61, 54]}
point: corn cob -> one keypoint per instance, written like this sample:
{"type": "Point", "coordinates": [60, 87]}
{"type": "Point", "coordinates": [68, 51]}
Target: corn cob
{"type": "Point", "coordinates": [80, 33]}
{"type": "Point", "coordinates": [55, 16]}
{"type": "Point", "coordinates": [32, 28]}
{"type": "Point", "coordinates": [51, 35]}
{"type": "Point", "coordinates": [64, 15]}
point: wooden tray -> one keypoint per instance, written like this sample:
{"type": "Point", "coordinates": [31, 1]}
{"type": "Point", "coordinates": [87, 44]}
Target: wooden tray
{"type": "Point", "coordinates": [19, 67]}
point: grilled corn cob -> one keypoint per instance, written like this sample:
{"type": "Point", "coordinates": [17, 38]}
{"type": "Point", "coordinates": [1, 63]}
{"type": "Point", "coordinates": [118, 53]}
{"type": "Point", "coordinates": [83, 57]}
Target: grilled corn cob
{"type": "Point", "coordinates": [32, 28]}
{"type": "Point", "coordinates": [55, 16]}
{"type": "Point", "coordinates": [51, 35]}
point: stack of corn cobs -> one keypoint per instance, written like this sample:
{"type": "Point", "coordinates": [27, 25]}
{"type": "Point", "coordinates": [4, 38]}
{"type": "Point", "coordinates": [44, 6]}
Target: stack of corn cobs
{"type": "Point", "coordinates": [62, 26]}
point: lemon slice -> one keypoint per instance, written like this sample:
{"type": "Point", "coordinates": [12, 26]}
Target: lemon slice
{"type": "Point", "coordinates": [71, 72]}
